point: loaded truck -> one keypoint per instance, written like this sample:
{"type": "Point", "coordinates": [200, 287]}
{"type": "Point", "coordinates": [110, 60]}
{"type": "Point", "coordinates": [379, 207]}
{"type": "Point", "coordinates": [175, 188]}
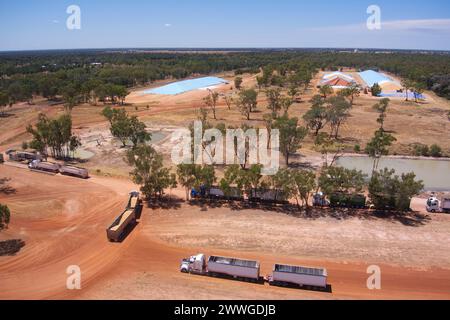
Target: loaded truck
{"type": "Point", "coordinates": [37, 165]}
{"type": "Point", "coordinates": [74, 172]}
{"type": "Point", "coordinates": [304, 277]}
{"type": "Point", "coordinates": [126, 219]}
{"type": "Point", "coordinates": [249, 270]}
{"type": "Point", "coordinates": [216, 266]}
{"type": "Point", "coordinates": [270, 196]}
{"type": "Point", "coordinates": [438, 204]}
{"type": "Point", "coordinates": [343, 200]}
{"type": "Point", "coordinates": [23, 156]}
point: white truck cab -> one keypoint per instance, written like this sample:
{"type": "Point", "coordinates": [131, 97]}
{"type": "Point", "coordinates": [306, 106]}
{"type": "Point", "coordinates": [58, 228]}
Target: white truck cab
{"type": "Point", "coordinates": [194, 264]}
{"type": "Point", "coordinates": [435, 204]}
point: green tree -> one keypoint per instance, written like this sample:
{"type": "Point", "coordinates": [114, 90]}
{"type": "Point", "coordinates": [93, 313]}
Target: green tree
{"type": "Point", "coordinates": [341, 180]}
{"type": "Point", "coordinates": [381, 107]}
{"type": "Point", "coordinates": [211, 101]}
{"type": "Point", "coordinates": [379, 146]}
{"type": "Point", "coordinates": [337, 113]}
{"type": "Point", "coordinates": [325, 91]}
{"type": "Point", "coordinates": [316, 117]}
{"type": "Point", "coordinates": [138, 132]}
{"type": "Point", "coordinates": [305, 183]}
{"type": "Point", "coordinates": [238, 82]}
{"type": "Point", "coordinates": [376, 90]}
{"type": "Point", "coordinates": [247, 102]}
{"type": "Point", "coordinates": [389, 191]}
{"type": "Point", "coordinates": [435, 151]}
{"type": "Point", "coordinates": [148, 170]}
{"type": "Point", "coordinates": [4, 101]}
{"type": "Point", "coordinates": [291, 135]}
{"type": "Point", "coordinates": [5, 216]}
{"type": "Point", "coordinates": [274, 97]}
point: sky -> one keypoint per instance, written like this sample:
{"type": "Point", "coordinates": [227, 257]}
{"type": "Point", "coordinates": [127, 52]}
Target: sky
{"type": "Point", "coordinates": [41, 24]}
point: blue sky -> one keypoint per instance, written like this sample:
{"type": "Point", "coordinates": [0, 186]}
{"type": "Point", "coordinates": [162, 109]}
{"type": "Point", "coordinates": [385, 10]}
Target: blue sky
{"type": "Point", "coordinates": [41, 24]}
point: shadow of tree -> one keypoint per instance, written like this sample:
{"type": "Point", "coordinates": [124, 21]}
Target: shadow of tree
{"type": "Point", "coordinates": [410, 219]}
{"type": "Point", "coordinates": [165, 203]}
{"type": "Point", "coordinates": [4, 188]}
{"type": "Point", "coordinates": [11, 247]}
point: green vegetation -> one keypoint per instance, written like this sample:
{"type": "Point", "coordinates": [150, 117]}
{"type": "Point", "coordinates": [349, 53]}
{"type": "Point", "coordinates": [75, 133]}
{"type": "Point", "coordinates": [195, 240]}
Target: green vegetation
{"type": "Point", "coordinates": [388, 191]}
{"type": "Point", "coordinates": [149, 172]}
{"type": "Point", "coordinates": [434, 151]}
{"type": "Point", "coordinates": [376, 90]}
{"type": "Point", "coordinates": [95, 75]}
{"type": "Point", "coordinates": [54, 134]}
{"type": "Point", "coordinates": [291, 135]}
{"type": "Point", "coordinates": [126, 128]}
{"type": "Point", "coordinates": [5, 216]}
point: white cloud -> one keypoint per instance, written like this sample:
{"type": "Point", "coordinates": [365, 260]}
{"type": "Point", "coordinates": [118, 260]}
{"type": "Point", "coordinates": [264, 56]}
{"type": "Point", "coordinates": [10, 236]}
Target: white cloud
{"type": "Point", "coordinates": [424, 25]}
{"type": "Point", "coordinates": [55, 21]}
{"type": "Point", "coordinates": [167, 25]}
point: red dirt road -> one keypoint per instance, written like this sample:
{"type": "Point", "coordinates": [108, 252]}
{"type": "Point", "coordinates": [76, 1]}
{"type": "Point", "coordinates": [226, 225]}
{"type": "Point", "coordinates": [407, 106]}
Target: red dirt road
{"type": "Point", "coordinates": [63, 222]}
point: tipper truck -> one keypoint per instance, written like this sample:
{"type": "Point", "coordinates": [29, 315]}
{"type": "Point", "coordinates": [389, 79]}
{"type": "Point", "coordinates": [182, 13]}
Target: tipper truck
{"type": "Point", "coordinates": [37, 165]}
{"type": "Point", "coordinates": [285, 275]}
{"type": "Point", "coordinates": [438, 204]}
{"type": "Point", "coordinates": [245, 270]}
{"type": "Point", "coordinates": [74, 172]}
{"type": "Point", "coordinates": [127, 218]}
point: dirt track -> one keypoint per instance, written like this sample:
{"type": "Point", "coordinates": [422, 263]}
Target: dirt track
{"type": "Point", "coordinates": [71, 231]}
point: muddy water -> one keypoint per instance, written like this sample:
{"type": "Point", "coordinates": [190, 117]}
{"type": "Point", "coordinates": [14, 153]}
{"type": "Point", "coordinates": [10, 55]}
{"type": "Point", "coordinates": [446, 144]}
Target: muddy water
{"type": "Point", "coordinates": [434, 173]}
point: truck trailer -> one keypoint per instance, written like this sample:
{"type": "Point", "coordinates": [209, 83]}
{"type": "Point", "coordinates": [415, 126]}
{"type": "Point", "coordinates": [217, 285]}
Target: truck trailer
{"type": "Point", "coordinates": [269, 196]}
{"type": "Point", "coordinates": [286, 276]}
{"type": "Point", "coordinates": [74, 172]}
{"type": "Point", "coordinates": [438, 204]}
{"type": "Point", "coordinates": [20, 156]}
{"type": "Point", "coordinates": [127, 218]}
{"type": "Point", "coordinates": [216, 266]}
{"type": "Point", "coordinates": [50, 167]}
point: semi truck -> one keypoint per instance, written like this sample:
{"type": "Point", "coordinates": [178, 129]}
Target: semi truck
{"type": "Point", "coordinates": [217, 266]}
{"type": "Point", "coordinates": [249, 270]}
{"type": "Point", "coordinates": [74, 172]}
{"type": "Point", "coordinates": [304, 277]}
{"type": "Point", "coordinates": [438, 204]}
{"type": "Point", "coordinates": [126, 219]}
{"type": "Point", "coordinates": [343, 200]}
{"type": "Point", "coordinates": [270, 196]}
{"type": "Point", "coordinates": [20, 156]}
{"type": "Point", "coordinates": [50, 167]}
{"type": "Point", "coordinates": [216, 193]}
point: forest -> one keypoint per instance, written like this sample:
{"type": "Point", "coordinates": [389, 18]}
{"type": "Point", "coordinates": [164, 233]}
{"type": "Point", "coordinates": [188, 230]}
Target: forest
{"type": "Point", "coordinates": [83, 76]}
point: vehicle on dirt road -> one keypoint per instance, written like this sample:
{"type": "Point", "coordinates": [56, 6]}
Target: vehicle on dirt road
{"type": "Point", "coordinates": [438, 204]}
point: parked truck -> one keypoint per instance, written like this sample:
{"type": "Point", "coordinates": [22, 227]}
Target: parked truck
{"type": "Point", "coordinates": [343, 200]}
{"type": "Point", "coordinates": [37, 165]}
{"type": "Point", "coordinates": [20, 156]}
{"type": "Point", "coordinates": [74, 172]}
{"type": "Point", "coordinates": [270, 196]}
{"type": "Point", "coordinates": [438, 204]}
{"type": "Point", "coordinates": [216, 266]}
{"type": "Point", "coordinates": [126, 219]}
{"type": "Point", "coordinates": [216, 193]}
{"type": "Point", "coordinates": [304, 277]}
